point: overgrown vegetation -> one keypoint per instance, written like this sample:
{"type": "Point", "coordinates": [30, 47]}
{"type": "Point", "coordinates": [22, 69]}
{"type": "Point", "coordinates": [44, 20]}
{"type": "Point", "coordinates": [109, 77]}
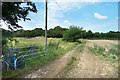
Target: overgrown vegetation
{"type": "Point", "coordinates": [73, 34]}
{"type": "Point", "coordinates": [113, 51]}
{"type": "Point", "coordinates": [56, 48]}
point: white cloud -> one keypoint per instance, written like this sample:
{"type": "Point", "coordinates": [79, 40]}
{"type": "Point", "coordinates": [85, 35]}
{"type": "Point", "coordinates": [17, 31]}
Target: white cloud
{"type": "Point", "coordinates": [98, 16]}
{"type": "Point", "coordinates": [66, 21]}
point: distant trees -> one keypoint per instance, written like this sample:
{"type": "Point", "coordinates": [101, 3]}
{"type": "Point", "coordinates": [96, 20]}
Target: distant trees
{"type": "Point", "coordinates": [89, 34]}
{"type": "Point", "coordinates": [57, 32]}
{"type": "Point", "coordinates": [73, 34]}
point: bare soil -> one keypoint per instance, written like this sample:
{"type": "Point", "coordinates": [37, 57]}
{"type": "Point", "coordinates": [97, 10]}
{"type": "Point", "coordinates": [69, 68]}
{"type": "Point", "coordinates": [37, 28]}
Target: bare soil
{"type": "Point", "coordinates": [86, 66]}
{"type": "Point", "coordinates": [51, 70]}
{"type": "Point", "coordinates": [89, 66]}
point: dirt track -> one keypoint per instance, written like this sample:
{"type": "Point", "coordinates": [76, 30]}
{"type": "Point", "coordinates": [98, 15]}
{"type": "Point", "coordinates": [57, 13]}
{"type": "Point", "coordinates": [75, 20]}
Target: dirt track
{"type": "Point", "coordinates": [86, 66]}
{"type": "Point", "coordinates": [89, 66]}
{"type": "Point", "coordinates": [51, 70]}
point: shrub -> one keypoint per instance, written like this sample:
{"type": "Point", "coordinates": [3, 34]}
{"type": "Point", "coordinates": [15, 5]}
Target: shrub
{"type": "Point", "coordinates": [101, 49]}
{"type": "Point", "coordinates": [113, 51]}
{"type": "Point", "coordinates": [114, 57]}
{"type": "Point", "coordinates": [53, 44]}
{"type": "Point", "coordinates": [72, 35]}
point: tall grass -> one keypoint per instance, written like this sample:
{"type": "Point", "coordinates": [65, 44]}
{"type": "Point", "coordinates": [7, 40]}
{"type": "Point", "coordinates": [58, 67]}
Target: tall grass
{"type": "Point", "coordinates": [56, 48]}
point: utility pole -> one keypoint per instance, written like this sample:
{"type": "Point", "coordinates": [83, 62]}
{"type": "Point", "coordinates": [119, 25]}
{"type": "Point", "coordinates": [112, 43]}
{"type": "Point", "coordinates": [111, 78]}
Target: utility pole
{"type": "Point", "coordinates": [46, 30]}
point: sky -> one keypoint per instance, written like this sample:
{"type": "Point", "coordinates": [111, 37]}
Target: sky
{"type": "Point", "coordinates": [95, 15]}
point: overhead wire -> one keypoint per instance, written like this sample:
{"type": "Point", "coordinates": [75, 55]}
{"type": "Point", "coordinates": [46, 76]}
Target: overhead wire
{"type": "Point", "coordinates": [64, 13]}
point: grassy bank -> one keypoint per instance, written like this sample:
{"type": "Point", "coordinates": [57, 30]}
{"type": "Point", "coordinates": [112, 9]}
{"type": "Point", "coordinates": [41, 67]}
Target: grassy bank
{"type": "Point", "coordinates": [56, 48]}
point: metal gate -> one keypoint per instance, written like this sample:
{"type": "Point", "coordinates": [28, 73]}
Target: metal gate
{"type": "Point", "coordinates": [28, 52]}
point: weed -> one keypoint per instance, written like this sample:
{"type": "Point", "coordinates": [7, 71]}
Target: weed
{"type": "Point", "coordinates": [101, 49]}
{"type": "Point", "coordinates": [92, 50]}
{"type": "Point", "coordinates": [113, 51]}
{"type": "Point", "coordinates": [71, 62]}
{"type": "Point", "coordinates": [54, 50]}
{"type": "Point", "coordinates": [95, 46]}
{"type": "Point", "coordinates": [104, 55]}
{"type": "Point", "coordinates": [114, 57]}
{"type": "Point", "coordinates": [81, 47]}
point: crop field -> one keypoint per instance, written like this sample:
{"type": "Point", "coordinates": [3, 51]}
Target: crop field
{"type": "Point", "coordinates": [106, 50]}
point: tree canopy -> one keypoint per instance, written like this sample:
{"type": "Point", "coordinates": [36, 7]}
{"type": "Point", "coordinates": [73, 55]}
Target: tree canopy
{"type": "Point", "coordinates": [73, 34]}
{"type": "Point", "coordinates": [12, 12]}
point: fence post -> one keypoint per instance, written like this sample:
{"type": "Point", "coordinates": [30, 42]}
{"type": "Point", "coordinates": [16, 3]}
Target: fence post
{"type": "Point", "coordinates": [9, 54]}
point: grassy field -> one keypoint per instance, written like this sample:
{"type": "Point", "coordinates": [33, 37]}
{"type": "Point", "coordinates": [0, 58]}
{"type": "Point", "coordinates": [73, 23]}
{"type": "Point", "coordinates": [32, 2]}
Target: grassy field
{"type": "Point", "coordinates": [56, 48]}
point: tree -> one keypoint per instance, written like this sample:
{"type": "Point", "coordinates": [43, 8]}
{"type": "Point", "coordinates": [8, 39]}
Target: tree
{"type": "Point", "coordinates": [89, 34]}
{"type": "Point", "coordinates": [73, 34]}
{"type": "Point", "coordinates": [96, 35]}
{"type": "Point", "coordinates": [12, 12]}
{"type": "Point", "coordinates": [57, 32]}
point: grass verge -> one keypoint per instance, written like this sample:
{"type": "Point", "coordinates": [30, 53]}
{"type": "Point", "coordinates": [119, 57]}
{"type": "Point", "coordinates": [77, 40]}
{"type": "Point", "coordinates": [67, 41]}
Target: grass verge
{"type": "Point", "coordinates": [54, 51]}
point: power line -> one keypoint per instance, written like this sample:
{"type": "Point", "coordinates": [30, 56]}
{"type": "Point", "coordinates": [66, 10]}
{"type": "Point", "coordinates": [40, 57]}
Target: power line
{"type": "Point", "coordinates": [63, 12]}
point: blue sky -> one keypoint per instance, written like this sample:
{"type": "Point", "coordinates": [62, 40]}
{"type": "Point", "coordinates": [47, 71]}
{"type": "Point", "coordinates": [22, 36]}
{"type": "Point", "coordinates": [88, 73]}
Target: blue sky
{"type": "Point", "coordinates": [95, 16]}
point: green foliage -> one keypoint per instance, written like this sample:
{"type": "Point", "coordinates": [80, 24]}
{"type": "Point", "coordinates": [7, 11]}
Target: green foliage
{"type": "Point", "coordinates": [71, 61]}
{"type": "Point", "coordinates": [53, 44]}
{"type": "Point", "coordinates": [114, 57]}
{"type": "Point", "coordinates": [101, 49]}
{"type": "Point", "coordinates": [73, 34]}
{"type": "Point", "coordinates": [89, 34]}
{"type": "Point", "coordinates": [57, 32]}
{"type": "Point", "coordinates": [14, 12]}
{"type": "Point", "coordinates": [104, 55]}
{"type": "Point", "coordinates": [92, 50]}
{"type": "Point", "coordinates": [113, 51]}
{"type": "Point", "coordinates": [95, 46]}
{"type": "Point", "coordinates": [81, 47]}
{"type": "Point", "coordinates": [52, 54]}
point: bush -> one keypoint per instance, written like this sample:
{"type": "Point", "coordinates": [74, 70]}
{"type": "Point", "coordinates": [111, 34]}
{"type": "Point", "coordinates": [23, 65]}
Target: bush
{"type": "Point", "coordinates": [72, 35]}
{"type": "Point", "coordinates": [101, 49]}
{"type": "Point", "coordinates": [113, 51]}
{"type": "Point", "coordinates": [53, 44]}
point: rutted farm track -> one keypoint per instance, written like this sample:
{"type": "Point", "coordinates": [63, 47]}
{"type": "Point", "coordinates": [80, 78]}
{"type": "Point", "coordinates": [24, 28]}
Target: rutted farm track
{"type": "Point", "coordinates": [87, 65]}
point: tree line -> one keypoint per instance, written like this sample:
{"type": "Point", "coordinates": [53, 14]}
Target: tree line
{"type": "Point", "coordinates": [59, 32]}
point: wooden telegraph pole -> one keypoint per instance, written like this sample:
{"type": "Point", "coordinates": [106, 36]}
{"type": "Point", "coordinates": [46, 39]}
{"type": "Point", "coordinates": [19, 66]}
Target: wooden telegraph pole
{"type": "Point", "coordinates": [46, 30]}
